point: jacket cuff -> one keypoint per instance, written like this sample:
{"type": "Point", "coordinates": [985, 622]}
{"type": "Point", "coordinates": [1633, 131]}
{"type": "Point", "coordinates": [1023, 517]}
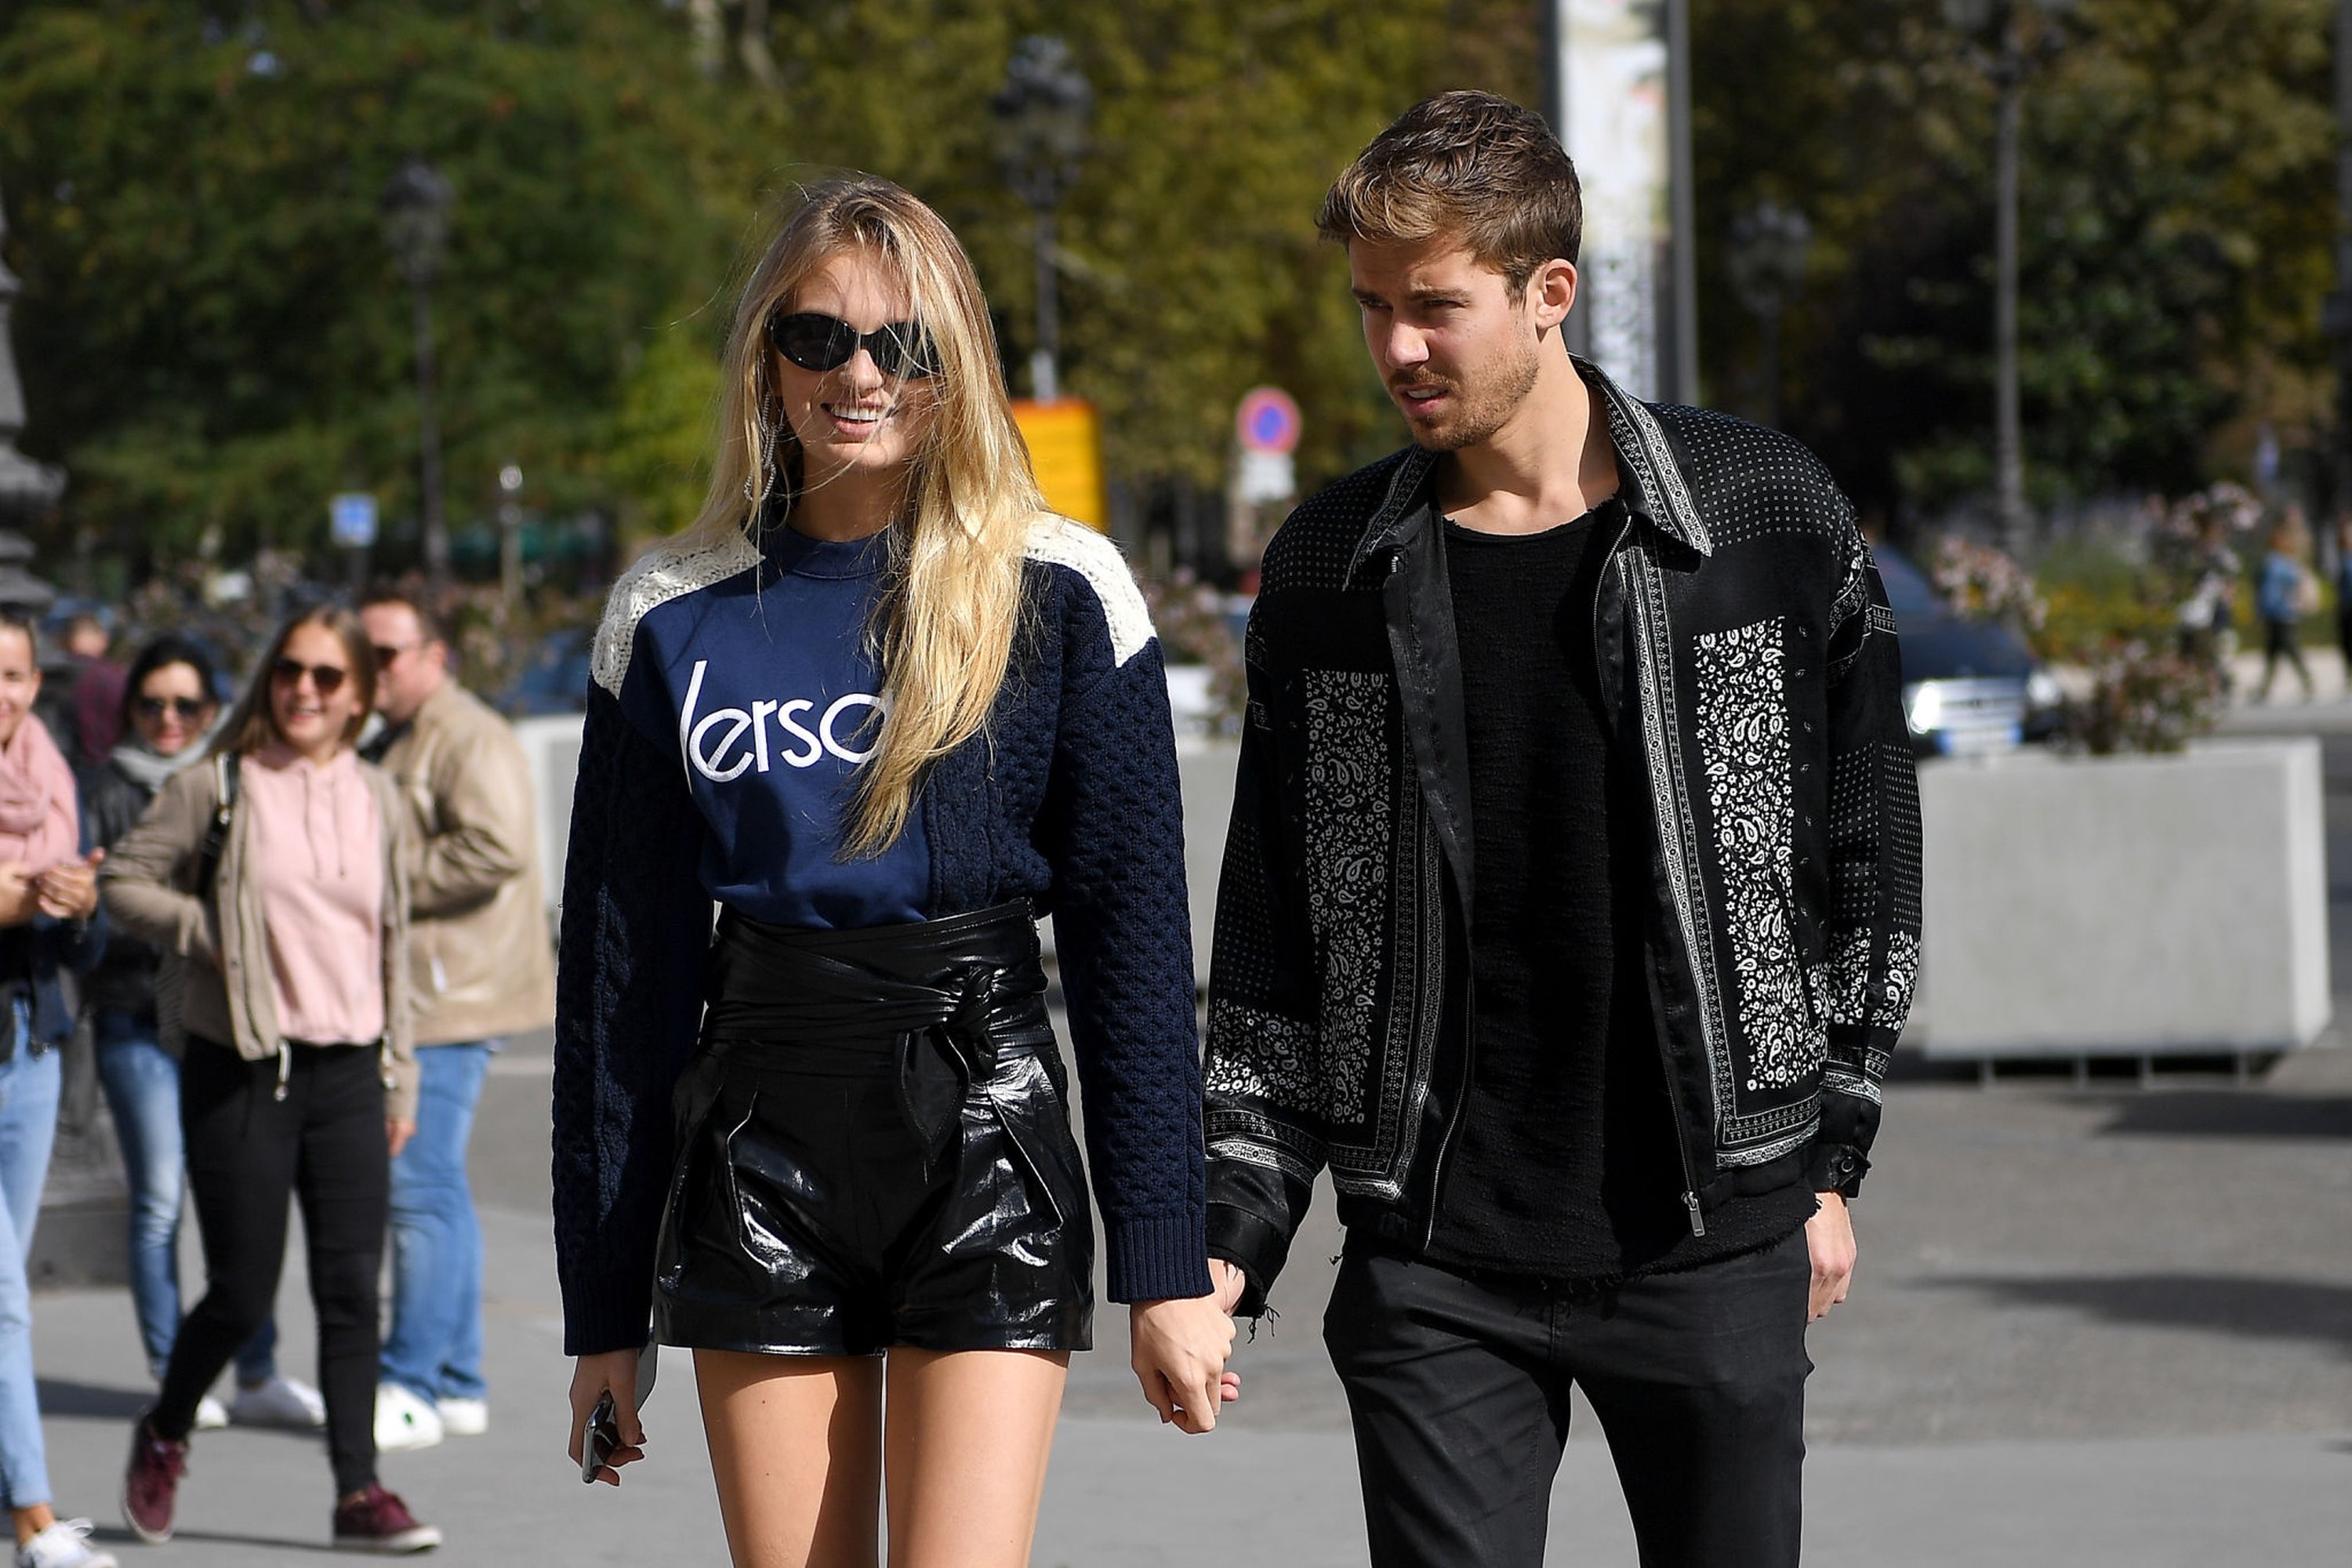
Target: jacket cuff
{"type": "Point", "coordinates": [1836, 1168]}
{"type": "Point", "coordinates": [1156, 1259]}
{"type": "Point", "coordinates": [594, 1323]}
{"type": "Point", "coordinates": [1256, 1245]}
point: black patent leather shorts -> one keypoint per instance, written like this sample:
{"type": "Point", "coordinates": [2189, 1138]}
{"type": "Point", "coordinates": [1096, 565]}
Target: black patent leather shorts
{"type": "Point", "coordinates": [874, 1149]}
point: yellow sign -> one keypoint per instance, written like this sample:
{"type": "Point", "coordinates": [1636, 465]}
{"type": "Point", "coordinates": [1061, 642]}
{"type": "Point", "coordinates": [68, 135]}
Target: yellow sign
{"type": "Point", "coordinates": [1064, 440]}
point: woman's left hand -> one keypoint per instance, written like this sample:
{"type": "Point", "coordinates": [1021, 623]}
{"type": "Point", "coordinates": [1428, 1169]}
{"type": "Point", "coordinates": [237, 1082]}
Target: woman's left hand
{"type": "Point", "coordinates": [397, 1131]}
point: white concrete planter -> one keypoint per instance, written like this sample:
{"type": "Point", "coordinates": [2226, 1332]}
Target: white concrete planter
{"type": "Point", "coordinates": [2125, 906]}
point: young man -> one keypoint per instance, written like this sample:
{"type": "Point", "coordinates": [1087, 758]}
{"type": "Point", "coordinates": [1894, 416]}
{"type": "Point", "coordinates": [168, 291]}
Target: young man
{"type": "Point", "coordinates": [483, 966]}
{"type": "Point", "coordinates": [1571, 908]}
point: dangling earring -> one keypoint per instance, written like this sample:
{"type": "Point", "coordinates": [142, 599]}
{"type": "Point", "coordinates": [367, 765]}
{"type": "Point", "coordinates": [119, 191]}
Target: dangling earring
{"type": "Point", "coordinates": [764, 476]}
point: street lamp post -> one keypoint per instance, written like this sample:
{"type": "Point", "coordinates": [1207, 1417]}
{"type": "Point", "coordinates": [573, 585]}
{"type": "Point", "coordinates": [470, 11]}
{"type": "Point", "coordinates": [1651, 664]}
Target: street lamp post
{"type": "Point", "coordinates": [1768, 247]}
{"type": "Point", "coordinates": [416, 210]}
{"type": "Point", "coordinates": [1997, 30]}
{"type": "Point", "coordinates": [510, 538]}
{"type": "Point", "coordinates": [27, 488]}
{"type": "Point", "coordinates": [1042, 113]}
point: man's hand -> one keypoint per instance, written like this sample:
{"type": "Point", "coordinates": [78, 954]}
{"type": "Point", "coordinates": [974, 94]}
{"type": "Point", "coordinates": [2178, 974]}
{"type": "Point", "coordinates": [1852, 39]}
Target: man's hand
{"type": "Point", "coordinates": [592, 1376]}
{"type": "Point", "coordinates": [68, 890]}
{"type": "Point", "coordinates": [1178, 1351]}
{"type": "Point", "coordinates": [397, 1131]}
{"type": "Point", "coordinates": [1227, 1283]}
{"type": "Point", "coordinates": [1829, 1242]}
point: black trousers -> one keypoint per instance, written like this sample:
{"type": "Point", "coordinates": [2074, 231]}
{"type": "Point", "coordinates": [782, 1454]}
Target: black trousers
{"type": "Point", "coordinates": [248, 1152]}
{"type": "Point", "coordinates": [1458, 1389]}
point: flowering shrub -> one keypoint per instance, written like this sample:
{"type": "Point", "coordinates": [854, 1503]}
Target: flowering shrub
{"type": "Point", "coordinates": [2144, 699]}
{"type": "Point", "coordinates": [1190, 617]}
{"type": "Point", "coordinates": [1981, 583]}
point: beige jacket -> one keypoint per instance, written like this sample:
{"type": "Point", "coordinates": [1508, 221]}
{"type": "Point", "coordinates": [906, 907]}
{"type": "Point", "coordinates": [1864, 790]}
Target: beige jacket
{"type": "Point", "coordinates": [483, 963]}
{"type": "Point", "coordinates": [220, 950]}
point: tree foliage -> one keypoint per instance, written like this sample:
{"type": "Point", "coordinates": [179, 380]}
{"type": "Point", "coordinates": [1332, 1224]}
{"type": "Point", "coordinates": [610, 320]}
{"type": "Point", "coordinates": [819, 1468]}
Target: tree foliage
{"type": "Point", "coordinates": [216, 339]}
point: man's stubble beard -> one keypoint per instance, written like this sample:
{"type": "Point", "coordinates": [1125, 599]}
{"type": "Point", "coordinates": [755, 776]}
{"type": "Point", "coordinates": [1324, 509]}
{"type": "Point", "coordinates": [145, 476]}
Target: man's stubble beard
{"type": "Point", "coordinates": [1483, 410]}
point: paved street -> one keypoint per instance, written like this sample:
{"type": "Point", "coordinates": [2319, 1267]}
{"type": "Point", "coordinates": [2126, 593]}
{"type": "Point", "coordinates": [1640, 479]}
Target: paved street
{"type": "Point", "coordinates": [2091, 1328]}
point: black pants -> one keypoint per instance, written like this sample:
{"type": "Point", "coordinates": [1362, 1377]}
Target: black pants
{"type": "Point", "coordinates": [249, 1152]}
{"type": "Point", "coordinates": [1459, 1389]}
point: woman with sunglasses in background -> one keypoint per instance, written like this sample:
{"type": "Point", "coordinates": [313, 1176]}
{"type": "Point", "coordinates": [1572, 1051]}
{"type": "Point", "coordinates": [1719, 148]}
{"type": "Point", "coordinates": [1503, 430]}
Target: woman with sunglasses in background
{"type": "Point", "coordinates": [168, 713]}
{"type": "Point", "coordinates": [47, 897]}
{"type": "Point", "coordinates": [273, 877]}
{"type": "Point", "coordinates": [883, 709]}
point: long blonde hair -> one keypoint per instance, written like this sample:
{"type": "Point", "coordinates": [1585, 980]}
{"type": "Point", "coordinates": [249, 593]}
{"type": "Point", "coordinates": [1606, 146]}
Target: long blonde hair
{"type": "Point", "coordinates": [945, 626]}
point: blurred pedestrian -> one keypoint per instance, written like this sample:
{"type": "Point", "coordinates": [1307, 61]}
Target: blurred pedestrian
{"type": "Point", "coordinates": [2285, 594]}
{"type": "Point", "coordinates": [880, 706]}
{"type": "Point", "coordinates": [2343, 592]}
{"type": "Point", "coordinates": [168, 713]}
{"type": "Point", "coordinates": [276, 876]}
{"type": "Point", "coordinates": [94, 707]}
{"type": "Point", "coordinates": [49, 902]}
{"type": "Point", "coordinates": [481, 967]}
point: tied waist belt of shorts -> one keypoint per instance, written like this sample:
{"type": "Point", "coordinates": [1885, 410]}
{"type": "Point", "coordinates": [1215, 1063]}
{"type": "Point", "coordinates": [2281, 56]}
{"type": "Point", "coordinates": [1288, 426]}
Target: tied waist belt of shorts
{"type": "Point", "coordinates": [949, 998]}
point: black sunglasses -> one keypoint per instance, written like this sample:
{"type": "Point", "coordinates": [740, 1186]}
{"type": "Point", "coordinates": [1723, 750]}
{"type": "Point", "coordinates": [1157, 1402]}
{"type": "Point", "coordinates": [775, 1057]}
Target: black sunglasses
{"type": "Point", "coordinates": [814, 342]}
{"type": "Point", "coordinates": [326, 677]}
{"type": "Point", "coordinates": [184, 707]}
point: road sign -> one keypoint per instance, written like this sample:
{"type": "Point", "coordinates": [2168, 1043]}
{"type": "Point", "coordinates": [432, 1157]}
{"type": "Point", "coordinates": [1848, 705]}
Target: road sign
{"type": "Point", "coordinates": [1266, 421]}
{"type": "Point", "coordinates": [351, 518]}
{"type": "Point", "coordinates": [1267, 476]}
{"type": "Point", "coordinates": [1065, 439]}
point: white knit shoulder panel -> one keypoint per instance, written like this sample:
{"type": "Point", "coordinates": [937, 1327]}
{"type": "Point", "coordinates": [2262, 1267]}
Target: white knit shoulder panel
{"type": "Point", "coordinates": [1062, 543]}
{"type": "Point", "coordinates": [668, 571]}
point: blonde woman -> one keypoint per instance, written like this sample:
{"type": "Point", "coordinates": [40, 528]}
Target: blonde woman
{"type": "Point", "coordinates": [883, 709]}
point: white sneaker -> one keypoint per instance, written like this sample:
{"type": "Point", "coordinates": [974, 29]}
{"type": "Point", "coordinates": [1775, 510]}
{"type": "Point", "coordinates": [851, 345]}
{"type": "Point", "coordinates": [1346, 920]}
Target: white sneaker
{"type": "Point", "coordinates": [64, 1544]}
{"type": "Point", "coordinates": [402, 1421]}
{"type": "Point", "coordinates": [462, 1417]}
{"type": "Point", "coordinates": [282, 1402]}
{"type": "Point", "coordinates": [210, 1416]}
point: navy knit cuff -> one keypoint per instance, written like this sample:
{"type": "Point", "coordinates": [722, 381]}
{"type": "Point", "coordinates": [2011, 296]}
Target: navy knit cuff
{"type": "Point", "coordinates": [1155, 1259]}
{"type": "Point", "coordinates": [594, 1321]}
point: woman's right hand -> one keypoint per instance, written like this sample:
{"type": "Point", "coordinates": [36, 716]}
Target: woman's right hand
{"type": "Point", "coordinates": [20, 895]}
{"type": "Point", "coordinates": [592, 1376]}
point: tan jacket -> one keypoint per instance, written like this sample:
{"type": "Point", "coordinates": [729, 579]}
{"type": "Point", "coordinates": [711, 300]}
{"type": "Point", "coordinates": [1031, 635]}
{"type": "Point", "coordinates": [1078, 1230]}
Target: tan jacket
{"type": "Point", "coordinates": [483, 962]}
{"type": "Point", "coordinates": [223, 965]}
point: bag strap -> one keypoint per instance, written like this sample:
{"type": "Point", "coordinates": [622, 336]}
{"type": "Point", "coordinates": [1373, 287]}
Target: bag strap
{"type": "Point", "coordinates": [208, 854]}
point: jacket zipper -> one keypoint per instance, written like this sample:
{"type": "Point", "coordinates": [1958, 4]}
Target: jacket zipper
{"type": "Point", "coordinates": [1665, 1055]}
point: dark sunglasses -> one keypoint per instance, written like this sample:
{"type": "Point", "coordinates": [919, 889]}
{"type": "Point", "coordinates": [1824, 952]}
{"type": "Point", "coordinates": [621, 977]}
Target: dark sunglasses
{"type": "Point", "coordinates": [326, 677]}
{"type": "Point", "coordinates": [184, 707]}
{"type": "Point", "coordinates": [814, 342]}
{"type": "Point", "coordinates": [385, 656]}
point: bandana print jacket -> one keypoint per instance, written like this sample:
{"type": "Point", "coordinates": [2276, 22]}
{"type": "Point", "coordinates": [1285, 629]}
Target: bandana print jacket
{"type": "Point", "coordinates": [1745, 641]}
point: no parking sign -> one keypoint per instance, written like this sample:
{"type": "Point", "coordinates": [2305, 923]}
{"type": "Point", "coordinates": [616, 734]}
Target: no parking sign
{"type": "Point", "coordinates": [1268, 421]}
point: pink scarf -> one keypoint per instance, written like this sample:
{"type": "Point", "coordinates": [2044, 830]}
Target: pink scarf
{"type": "Point", "coordinates": [37, 824]}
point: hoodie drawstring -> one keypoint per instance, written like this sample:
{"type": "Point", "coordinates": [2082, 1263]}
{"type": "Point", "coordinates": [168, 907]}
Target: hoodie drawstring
{"type": "Point", "coordinates": [285, 1068]}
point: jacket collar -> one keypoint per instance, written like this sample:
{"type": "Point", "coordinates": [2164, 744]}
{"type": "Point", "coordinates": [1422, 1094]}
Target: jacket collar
{"type": "Point", "coordinates": [1652, 480]}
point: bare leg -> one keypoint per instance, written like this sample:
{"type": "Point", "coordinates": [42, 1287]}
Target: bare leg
{"type": "Point", "coordinates": [968, 1437]}
{"type": "Point", "coordinates": [796, 1447]}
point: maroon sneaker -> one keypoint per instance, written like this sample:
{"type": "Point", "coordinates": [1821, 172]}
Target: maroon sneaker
{"type": "Point", "coordinates": [377, 1520]}
{"type": "Point", "coordinates": [151, 1485]}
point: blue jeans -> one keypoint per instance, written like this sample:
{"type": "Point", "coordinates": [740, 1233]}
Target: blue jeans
{"type": "Point", "coordinates": [434, 1349]}
{"type": "Point", "coordinates": [142, 1091]}
{"type": "Point", "coordinates": [29, 1125]}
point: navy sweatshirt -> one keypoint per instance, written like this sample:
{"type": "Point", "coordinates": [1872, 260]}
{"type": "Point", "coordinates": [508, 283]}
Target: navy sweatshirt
{"type": "Point", "coordinates": [1069, 798]}
{"type": "Point", "coordinates": [769, 681]}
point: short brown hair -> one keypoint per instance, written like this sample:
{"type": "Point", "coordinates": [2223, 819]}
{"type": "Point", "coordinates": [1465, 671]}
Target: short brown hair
{"type": "Point", "coordinates": [253, 723]}
{"type": "Point", "coordinates": [1471, 165]}
{"type": "Point", "coordinates": [429, 624]}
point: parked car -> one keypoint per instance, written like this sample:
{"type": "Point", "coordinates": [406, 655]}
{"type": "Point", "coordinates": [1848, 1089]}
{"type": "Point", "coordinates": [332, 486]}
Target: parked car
{"type": "Point", "coordinates": [1968, 686]}
{"type": "Point", "coordinates": [555, 680]}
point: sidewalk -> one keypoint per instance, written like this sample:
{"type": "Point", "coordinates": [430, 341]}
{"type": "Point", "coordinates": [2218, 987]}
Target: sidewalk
{"type": "Point", "coordinates": [1126, 1493]}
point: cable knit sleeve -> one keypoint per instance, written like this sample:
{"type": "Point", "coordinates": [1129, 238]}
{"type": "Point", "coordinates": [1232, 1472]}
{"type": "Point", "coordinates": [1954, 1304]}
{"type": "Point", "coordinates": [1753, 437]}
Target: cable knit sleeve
{"type": "Point", "coordinates": [636, 924]}
{"type": "Point", "coordinates": [1113, 828]}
